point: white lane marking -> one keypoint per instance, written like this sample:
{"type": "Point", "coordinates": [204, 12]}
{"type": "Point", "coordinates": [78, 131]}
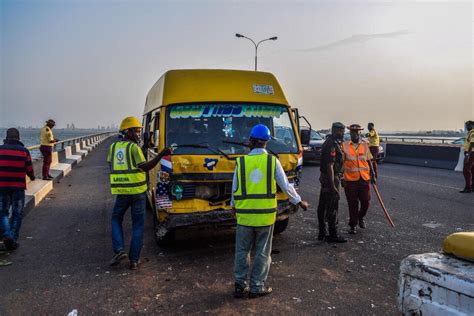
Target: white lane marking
{"type": "Point", "coordinates": [422, 182]}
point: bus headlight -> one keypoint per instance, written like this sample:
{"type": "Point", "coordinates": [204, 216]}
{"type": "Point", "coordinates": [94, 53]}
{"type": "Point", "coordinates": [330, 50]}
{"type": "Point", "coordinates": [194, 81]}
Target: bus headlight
{"type": "Point", "coordinates": [206, 192]}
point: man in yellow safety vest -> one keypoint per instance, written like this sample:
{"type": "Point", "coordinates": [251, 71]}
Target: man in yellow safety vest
{"type": "Point", "coordinates": [128, 182]}
{"type": "Point", "coordinates": [255, 203]}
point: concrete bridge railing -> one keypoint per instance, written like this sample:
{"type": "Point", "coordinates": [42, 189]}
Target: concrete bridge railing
{"type": "Point", "coordinates": [66, 155]}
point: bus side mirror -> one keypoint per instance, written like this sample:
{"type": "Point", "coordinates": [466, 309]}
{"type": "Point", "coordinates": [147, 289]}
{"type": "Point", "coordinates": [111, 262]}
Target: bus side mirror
{"type": "Point", "coordinates": [304, 136]}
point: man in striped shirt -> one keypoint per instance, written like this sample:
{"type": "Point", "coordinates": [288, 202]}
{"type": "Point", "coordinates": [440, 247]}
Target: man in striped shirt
{"type": "Point", "coordinates": [15, 165]}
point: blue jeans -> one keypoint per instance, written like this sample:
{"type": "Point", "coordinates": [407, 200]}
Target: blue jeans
{"type": "Point", "coordinates": [14, 198]}
{"type": "Point", "coordinates": [245, 238]}
{"type": "Point", "coordinates": [137, 202]}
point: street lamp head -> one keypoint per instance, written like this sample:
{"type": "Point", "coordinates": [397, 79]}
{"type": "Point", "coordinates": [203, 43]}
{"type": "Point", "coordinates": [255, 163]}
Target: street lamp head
{"type": "Point", "coordinates": [238, 35]}
{"type": "Point", "coordinates": [274, 38]}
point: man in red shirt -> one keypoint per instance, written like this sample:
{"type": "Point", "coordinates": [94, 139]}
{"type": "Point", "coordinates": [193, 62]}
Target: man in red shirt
{"type": "Point", "coordinates": [15, 165]}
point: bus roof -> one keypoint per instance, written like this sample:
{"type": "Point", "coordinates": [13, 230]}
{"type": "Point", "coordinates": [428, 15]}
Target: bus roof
{"type": "Point", "coordinates": [214, 85]}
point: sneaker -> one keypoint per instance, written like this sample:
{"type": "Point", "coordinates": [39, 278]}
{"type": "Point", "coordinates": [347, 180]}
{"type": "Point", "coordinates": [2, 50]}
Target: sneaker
{"type": "Point", "coordinates": [133, 265]}
{"type": "Point", "coordinates": [10, 244]}
{"type": "Point", "coordinates": [119, 256]}
{"type": "Point", "coordinates": [362, 223]}
{"type": "Point", "coordinates": [336, 239]}
{"type": "Point", "coordinates": [263, 292]}
{"type": "Point", "coordinates": [466, 190]}
{"type": "Point", "coordinates": [353, 231]}
{"type": "Point", "coordinates": [240, 291]}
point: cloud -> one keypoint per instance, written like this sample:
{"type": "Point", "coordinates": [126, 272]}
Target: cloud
{"type": "Point", "coordinates": [357, 38]}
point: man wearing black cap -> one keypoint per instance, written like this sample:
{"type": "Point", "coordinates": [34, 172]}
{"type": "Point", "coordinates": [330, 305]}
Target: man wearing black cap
{"type": "Point", "coordinates": [468, 169]}
{"type": "Point", "coordinates": [15, 164]}
{"type": "Point", "coordinates": [331, 172]}
{"type": "Point", "coordinates": [47, 141]}
{"type": "Point", "coordinates": [358, 174]}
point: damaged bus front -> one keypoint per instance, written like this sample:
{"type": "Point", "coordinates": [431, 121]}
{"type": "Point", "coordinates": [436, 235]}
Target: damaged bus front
{"type": "Point", "coordinates": [206, 117]}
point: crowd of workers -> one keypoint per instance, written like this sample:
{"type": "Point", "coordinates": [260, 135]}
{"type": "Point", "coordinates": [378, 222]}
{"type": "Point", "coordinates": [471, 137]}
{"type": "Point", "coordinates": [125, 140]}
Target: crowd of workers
{"type": "Point", "coordinates": [350, 164]}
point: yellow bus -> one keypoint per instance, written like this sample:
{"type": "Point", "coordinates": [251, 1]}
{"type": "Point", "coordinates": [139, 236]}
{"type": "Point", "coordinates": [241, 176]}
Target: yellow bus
{"type": "Point", "coordinates": [206, 116]}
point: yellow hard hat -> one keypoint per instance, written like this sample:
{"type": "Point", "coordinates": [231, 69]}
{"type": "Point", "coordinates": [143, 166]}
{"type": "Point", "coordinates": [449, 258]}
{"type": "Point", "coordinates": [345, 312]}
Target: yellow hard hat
{"type": "Point", "coordinates": [130, 122]}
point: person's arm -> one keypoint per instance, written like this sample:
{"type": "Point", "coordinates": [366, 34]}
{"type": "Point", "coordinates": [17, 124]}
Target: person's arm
{"type": "Point", "coordinates": [471, 143]}
{"type": "Point", "coordinates": [148, 165]}
{"type": "Point", "coordinates": [330, 173]}
{"type": "Point", "coordinates": [51, 138]}
{"type": "Point", "coordinates": [235, 187]}
{"type": "Point", "coordinates": [287, 187]}
{"type": "Point", "coordinates": [29, 166]}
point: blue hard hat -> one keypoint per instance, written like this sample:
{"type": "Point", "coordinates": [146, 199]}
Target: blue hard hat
{"type": "Point", "coordinates": [260, 132]}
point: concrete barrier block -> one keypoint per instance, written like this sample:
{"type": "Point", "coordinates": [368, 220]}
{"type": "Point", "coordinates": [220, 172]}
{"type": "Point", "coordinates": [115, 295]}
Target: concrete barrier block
{"type": "Point", "coordinates": [65, 168]}
{"type": "Point", "coordinates": [54, 158]}
{"type": "Point", "coordinates": [70, 156]}
{"type": "Point", "coordinates": [79, 151]}
{"type": "Point", "coordinates": [38, 190]}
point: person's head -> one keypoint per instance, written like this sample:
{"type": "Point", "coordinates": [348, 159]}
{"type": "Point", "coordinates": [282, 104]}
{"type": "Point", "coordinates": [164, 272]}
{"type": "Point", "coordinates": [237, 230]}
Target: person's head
{"type": "Point", "coordinates": [259, 136]}
{"type": "Point", "coordinates": [469, 125]}
{"type": "Point", "coordinates": [50, 123]}
{"type": "Point", "coordinates": [131, 128]}
{"type": "Point", "coordinates": [337, 130]}
{"type": "Point", "coordinates": [355, 132]}
{"type": "Point", "coordinates": [370, 126]}
{"type": "Point", "coordinates": [12, 134]}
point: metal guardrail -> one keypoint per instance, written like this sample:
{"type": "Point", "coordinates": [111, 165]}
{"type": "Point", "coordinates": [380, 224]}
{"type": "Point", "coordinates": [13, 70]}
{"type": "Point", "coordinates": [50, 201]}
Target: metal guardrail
{"type": "Point", "coordinates": [418, 139]}
{"type": "Point", "coordinates": [73, 141]}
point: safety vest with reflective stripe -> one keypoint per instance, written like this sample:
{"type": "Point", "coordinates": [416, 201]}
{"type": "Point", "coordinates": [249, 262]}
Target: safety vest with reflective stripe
{"type": "Point", "coordinates": [356, 164]}
{"type": "Point", "coordinates": [125, 177]}
{"type": "Point", "coordinates": [255, 199]}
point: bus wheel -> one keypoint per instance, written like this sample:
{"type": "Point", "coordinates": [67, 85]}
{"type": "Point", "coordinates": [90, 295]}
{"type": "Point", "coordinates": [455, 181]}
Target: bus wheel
{"type": "Point", "coordinates": [163, 236]}
{"type": "Point", "coordinates": [280, 226]}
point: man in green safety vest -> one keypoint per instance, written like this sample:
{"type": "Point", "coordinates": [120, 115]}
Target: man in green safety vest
{"type": "Point", "coordinates": [255, 203]}
{"type": "Point", "coordinates": [128, 182]}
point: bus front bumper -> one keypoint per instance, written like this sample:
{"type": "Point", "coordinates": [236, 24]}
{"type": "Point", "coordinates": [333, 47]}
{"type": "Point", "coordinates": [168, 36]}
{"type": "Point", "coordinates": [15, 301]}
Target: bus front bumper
{"type": "Point", "coordinates": [218, 217]}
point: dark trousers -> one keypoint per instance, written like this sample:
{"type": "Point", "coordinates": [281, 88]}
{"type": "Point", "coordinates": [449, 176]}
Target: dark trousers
{"type": "Point", "coordinates": [47, 152]}
{"type": "Point", "coordinates": [14, 199]}
{"type": "Point", "coordinates": [358, 199]}
{"type": "Point", "coordinates": [468, 170]}
{"type": "Point", "coordinates": [328, 209]}
{"type": "Point", "coordinates": [374, 150]}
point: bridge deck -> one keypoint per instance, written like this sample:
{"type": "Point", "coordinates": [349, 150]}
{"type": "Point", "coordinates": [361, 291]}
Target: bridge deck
{"type": "Point", "coordinates": [62, 263]}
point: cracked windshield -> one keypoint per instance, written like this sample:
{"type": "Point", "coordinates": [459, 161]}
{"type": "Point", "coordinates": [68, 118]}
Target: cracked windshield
{"type": "Point", "coordinates": [206, 128]}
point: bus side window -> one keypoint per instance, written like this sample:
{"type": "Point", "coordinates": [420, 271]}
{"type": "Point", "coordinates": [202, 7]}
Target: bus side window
{"type": "Point", "coordinates": [146, 132]}
{"type": "Point", "coordinates": [155, 130]}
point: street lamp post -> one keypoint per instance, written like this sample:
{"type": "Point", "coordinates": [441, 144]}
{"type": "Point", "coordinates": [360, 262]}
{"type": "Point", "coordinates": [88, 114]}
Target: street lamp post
{"type": "Point", "coordinates": [274, 38]}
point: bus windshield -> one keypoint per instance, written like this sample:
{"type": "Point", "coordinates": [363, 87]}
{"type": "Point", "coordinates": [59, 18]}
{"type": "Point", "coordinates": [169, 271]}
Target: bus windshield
{"type": "Point", "coordinates": [224, 126]}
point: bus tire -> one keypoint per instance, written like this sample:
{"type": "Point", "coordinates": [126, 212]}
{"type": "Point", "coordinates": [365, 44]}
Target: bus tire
{"type": "Point", "coordinates": [163, 239]}
{"type": "Point", "coordinates": [280, 226]}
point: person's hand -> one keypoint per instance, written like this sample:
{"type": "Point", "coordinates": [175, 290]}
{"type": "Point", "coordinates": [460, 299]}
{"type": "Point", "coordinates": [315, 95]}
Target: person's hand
{"type": "Point", "coordinates": [304, 205]}
{"type": "Point", "coordinates": [373, 180]}
{"type": "Point", "coordinates": [343, 182]}
{"type": "Point", "coordinates": [166, 151]}
{"type": "Point", "coordinates": [56, 140]}
{"type": "Point", "coordinates": [232, 211]}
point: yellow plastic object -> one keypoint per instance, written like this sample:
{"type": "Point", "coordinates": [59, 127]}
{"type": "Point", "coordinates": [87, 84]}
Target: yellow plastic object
{"type": "Point", "coordinates": [130, 122]}
{"type": "Point", "coordinates": [460, 245]}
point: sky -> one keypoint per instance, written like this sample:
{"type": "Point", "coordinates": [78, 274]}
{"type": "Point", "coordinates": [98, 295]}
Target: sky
{"type": "Point", "coordinates": [405, 65]}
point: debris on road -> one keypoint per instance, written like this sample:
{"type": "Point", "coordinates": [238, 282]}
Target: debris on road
{"type": "Point", "coordinates": [74, 312]}
{"type": "Point", "coordinates": [4, 263]}
{"type": "Point", "coordinates": [297, 300]}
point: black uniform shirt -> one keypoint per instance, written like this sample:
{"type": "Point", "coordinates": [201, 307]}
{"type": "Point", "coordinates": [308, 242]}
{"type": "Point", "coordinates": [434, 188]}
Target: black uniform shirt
{"type": "Point", "coordinates": [331, 151]}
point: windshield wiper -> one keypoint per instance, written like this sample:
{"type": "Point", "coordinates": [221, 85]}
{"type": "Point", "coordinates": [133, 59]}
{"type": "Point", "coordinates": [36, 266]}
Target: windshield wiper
{"type": "Point", "coordinates": [214, 150]}
{"type": "Point", "coordinates": [248, 145]}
